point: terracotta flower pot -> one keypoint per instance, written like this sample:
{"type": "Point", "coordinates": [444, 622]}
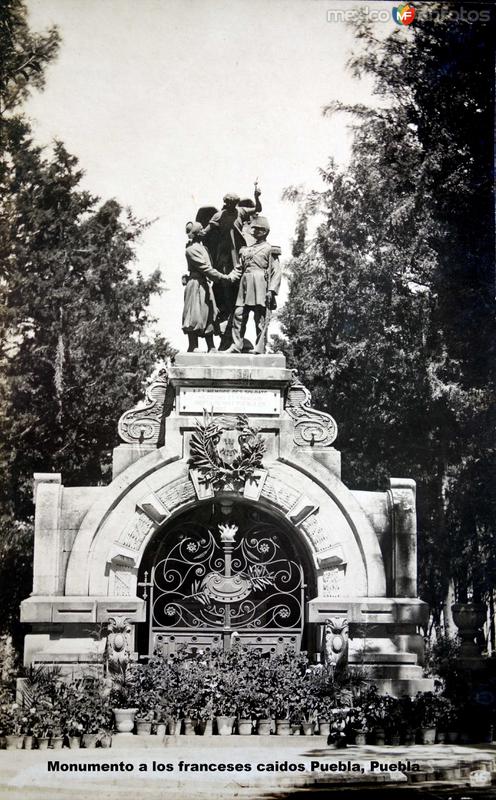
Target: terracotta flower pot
{"type": "Point", "coordinates": [14, 742]}
{"type": "Point", "coordinates": [427, 735]}
{"type": "Point", "coordinates": [89, 740]}
{"type": "Point", "coordinates": [207, 727]}
{"type": "Point", "coordinates": [106, 740]}
{"type": "Point", "coordinates": [379, 736]}
{"type": "Point", "coordinates": [296, 730]}
{"type": "Point", "coordinates": [324, 727]}
{"type": "Point", "coordinates": [189, 726]}
{"type": "Point", "coordinates": [160, 728]}
{"type": "Point", "coordinates": [124, 719]}
{"type": "Point", "coordinates": [360, 739]}
{"type": "Point", "coordinates": [409, 738]}
{"type": "Point", "coordinates": [225, 725]}
{"type": "Point", "coordinates": [244, 727]}
{"type": "Point", "coordinates": [11, 742]}
{"type": "Point", "coordinates": [28, 742]}
{"type": "Point", "coordinates": [56, 742]}
{"type": "Point", "coordinates": [307, 728]}
{"type": "Point", "coordinates": [143, 727]}
{"type": "Point", "coordinates": [43, 742]}
{"type": "Point", "coordinates": [174, 726]}
{"type": "Point", "coordinates": [74, 742]}
{"type": "Point", "coordinates": [264, 726]}
{"type": "Point", "coordinates": [283, 727]}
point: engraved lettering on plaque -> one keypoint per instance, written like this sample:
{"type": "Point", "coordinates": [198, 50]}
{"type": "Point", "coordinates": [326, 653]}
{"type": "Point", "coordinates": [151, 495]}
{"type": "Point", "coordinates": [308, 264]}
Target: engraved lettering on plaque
{"type": "Point", "coordinates": [234, 401]}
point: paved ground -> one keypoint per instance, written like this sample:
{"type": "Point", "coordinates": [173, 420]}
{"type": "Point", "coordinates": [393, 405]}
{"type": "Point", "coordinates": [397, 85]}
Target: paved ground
{"type": "Point", "coordinates": [248, 768]}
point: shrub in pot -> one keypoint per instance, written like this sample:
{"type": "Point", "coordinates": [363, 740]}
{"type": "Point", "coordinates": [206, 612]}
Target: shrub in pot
{"type": "Point", "coordinates": [375, 708]}
{"type": "Point", "coordinates": [428, 710]}
{"type": "Point", "coordinates": [94, 708]}
{"type": "Point", "coordinates": [358, 725]}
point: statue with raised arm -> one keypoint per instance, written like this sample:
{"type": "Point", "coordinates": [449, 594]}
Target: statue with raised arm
{"type": "Point", "coordinates": [224, 233]}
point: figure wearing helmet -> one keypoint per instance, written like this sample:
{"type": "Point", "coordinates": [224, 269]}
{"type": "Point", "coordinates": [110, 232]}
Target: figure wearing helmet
{"type": "Point", "coordinates": [200, 309]}
{"type": "Point", "coordinates": [258, 286]}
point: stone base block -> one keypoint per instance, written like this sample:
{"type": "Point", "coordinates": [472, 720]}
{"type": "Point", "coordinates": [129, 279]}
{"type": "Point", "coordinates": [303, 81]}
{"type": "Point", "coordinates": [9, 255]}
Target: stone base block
{"type": "Point", "coordinates": [68, 609]}
{"type": "Point", "coordinates": [73, 655]}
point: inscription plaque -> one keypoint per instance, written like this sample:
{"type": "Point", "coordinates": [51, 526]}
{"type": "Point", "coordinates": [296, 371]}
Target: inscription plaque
{"type": "Point", "coordinates": [232, 401]}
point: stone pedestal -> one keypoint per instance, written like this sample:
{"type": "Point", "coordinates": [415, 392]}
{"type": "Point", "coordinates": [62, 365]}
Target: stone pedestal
{"type": "Point", "coordinates": [358, 549]}
{"type": "Point", "coordinates": [469, 619]}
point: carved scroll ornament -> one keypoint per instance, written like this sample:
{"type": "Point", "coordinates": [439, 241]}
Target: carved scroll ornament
{"type": "Point", "coordinates": [311, 427]}
{"type": "Point", "coordinates": [141, 424]}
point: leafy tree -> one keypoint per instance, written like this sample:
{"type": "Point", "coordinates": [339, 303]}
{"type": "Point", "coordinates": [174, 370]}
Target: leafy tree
{"type": "Point", "coordinates": [389, 317]}
{"type": "Point", "coordinates": [76, 340]}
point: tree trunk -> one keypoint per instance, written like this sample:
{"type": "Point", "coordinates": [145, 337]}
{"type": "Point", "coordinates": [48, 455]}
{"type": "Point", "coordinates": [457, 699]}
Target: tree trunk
{"type": "Point", "coordinates": [450, 628]}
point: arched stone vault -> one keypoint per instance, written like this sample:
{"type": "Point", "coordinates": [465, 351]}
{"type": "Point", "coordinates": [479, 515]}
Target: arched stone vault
{"type": "Point", "coordinates": [110, 543]}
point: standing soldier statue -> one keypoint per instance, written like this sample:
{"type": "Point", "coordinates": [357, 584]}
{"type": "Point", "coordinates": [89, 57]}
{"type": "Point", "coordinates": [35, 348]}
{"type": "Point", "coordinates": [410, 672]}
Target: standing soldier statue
{"type": "Point", "coordinates": [258, 286]}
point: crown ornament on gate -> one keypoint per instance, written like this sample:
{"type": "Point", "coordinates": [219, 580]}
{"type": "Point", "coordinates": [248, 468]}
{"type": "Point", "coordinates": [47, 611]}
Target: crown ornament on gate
{"type": "Point", "coordinates": [225, 451]}
{"type": "Point", "coordinates": [227, 533]}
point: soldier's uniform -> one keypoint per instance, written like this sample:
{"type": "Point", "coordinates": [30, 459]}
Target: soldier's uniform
{"type": "Point", "coordinates": [259, 283]}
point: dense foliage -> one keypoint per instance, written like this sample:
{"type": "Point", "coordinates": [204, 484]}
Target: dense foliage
{"type": "Point", "coordinates": [75, 330]}
{"type": "Point", "coordinates": [390, 316]}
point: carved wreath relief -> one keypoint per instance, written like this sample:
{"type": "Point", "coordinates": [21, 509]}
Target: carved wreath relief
{"type": "Point", "coordinates": [226, 451]}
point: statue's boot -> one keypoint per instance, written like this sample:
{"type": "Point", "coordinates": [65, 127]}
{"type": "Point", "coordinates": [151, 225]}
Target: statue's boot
{"type": "Point", "coordinates": [192, 342]}
{"type": "Point", "coordinates": [209, 339]}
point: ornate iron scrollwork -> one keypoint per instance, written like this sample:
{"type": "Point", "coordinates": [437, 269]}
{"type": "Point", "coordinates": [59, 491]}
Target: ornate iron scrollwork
{"type": "Point", "coordinates": [311, 427]}
{"type": "Point", "coordinates": [249, 585]}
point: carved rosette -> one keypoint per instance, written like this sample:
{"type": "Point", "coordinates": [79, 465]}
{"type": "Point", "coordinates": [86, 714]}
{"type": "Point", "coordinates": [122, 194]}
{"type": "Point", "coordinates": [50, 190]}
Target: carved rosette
{"type": "Point", "coordinates": [335, 640]}
{"type": "Point", "coordinates": [118, 650]}
{"type": "Point", "coordinates": [142, 424]}
{"type": "Point", "coordinates": [311, 427]}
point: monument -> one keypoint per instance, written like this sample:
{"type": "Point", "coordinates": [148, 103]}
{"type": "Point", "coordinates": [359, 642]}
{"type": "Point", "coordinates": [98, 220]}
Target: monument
{"type": "Point", "coordinates": [226, 517]}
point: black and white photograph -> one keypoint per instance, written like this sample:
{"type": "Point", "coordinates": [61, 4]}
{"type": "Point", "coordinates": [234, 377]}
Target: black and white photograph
{"type": "Point", "coordinates": [247, 400]}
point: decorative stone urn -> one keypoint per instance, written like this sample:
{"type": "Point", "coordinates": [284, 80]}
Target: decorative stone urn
{"type": "Point", "coordinates": [469, 619]}
{"type": "Point", "coordinates": [124, 719]}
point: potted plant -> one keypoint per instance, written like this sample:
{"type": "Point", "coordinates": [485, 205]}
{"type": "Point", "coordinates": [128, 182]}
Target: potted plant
{"type": "Point", "coordinates": [124, 698]}
{"type": "Point", "coordinates": [340, 719]}
{"type": "Point", "coordinates": [375, 708]}
{"type": "Point", "coordinates": [393, 720]}
{"type": "Point", "coordinates": [428, 708]}
{"type": "Point", "coordinates": [324, 710]}
{"type": "Point", "coordinates": [447, 719]}
{"type": "Point", "coordinates": [359, 725]}
{"type": "Point", "coordinates": [94, 709]}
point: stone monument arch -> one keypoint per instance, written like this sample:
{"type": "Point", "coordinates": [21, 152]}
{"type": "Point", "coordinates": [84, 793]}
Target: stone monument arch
{"type": "Point", "coordinates": [227, 456]}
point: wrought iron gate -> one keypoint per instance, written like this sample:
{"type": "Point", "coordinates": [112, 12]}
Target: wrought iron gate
{"type": "Point", "coordinates": [207, 588]}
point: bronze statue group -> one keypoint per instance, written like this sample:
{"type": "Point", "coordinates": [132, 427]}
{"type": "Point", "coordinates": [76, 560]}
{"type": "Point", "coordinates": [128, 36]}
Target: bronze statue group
{"type": "Point", "coordinates": [232, 271]}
